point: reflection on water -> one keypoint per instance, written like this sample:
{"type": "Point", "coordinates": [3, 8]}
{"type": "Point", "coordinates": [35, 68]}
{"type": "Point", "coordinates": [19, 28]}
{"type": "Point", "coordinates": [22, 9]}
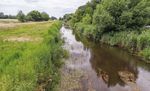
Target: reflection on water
{"type": "Point", "coordinates": [108, 68]}
{"type": "Point", "coordinates": [115, 69]}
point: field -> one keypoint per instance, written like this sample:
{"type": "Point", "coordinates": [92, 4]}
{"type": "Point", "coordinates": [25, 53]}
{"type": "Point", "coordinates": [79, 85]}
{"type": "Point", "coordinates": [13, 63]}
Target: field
{"type": "Point", "coordinates": [30, 56]}
{"type": "Point", "coordinates": [9, 21]}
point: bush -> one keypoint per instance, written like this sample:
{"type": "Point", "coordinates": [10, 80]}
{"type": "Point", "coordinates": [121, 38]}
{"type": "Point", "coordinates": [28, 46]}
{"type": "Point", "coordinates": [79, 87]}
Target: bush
{"type": "Point", "coordinates": [87, 19]}
{"type": "Point", "coordinates": [34, 16]}
{"type": "Point", "coordinates": [103, 20]}
{"type": "Point", "coordinates": [21, 16]}
{"type": "Point", "coordinates": [45, 16]}
{"type": "Point", "coordinates": [145, 53]}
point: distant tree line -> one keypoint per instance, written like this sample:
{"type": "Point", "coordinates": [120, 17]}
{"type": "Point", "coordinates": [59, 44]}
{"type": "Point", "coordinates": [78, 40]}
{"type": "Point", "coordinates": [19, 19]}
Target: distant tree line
{"type": "Point", "coordinates": [31, 16]}
{"type": "Point", "coordinates": [4, 16]}
{"type": "Point", "coordinates": [34, 16]}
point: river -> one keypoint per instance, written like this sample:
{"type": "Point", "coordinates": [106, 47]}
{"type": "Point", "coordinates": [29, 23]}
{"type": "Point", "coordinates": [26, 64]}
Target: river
{"type": "Point", "coordinates": [101, 68]}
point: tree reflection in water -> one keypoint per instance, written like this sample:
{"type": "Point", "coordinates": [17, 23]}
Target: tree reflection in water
{"type": "Point", "coordinates": [113, 68]}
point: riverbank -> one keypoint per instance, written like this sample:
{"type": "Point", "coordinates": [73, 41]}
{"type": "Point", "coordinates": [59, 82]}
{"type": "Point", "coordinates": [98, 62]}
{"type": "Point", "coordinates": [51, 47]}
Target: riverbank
{"type": "Point", "coordinates": [135, 42]}
{"type": "Point", "coordinates": [117, 23]}
{"type": "Point", "coordinates": [30, 56]}
{"type": "Point", "coordinates": [97, 67]}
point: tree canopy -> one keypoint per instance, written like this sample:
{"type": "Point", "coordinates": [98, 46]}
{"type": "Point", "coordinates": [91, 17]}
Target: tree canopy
{"type": "Point", "coordinates": [112, 15]}
{"type": "Point", "coordinates": [33, 16]}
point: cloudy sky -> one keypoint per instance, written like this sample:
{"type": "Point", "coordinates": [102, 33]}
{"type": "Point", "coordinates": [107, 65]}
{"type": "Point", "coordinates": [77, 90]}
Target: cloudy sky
{"type": "Point", "coordinates": [52, 7]}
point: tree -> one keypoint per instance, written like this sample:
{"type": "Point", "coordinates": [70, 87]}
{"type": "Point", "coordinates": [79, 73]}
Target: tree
{"type": "Point", "coordinates": [53, 18]}
{"type": "Point", "coordinates": [34, 16]}
{"type": "Point", "coordinates": [112, 16]}
{"type": "Point", "coordinates": [45, 16]}
{"type": "Point", "coordinates": [21, 16]}
{"type": "Point", "coordinates": [94, 3]}
{"type": "Point", "coordinates": [103, 20]}
{"type": "Point", "coordinates": [125, 15]}
{"type": "Point", "coordinates": [67, 17]}
{"type": "Point", "coordinates": [1, 15]}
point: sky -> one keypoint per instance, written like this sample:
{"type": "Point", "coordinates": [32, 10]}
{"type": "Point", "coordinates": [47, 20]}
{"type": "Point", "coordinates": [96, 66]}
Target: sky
{"type": "Point", "coordinates": [55, 8]}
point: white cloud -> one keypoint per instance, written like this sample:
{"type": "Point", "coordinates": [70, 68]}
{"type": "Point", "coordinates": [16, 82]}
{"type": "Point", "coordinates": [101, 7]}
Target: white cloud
{"type": "Point", "coordinates": [53, 7]}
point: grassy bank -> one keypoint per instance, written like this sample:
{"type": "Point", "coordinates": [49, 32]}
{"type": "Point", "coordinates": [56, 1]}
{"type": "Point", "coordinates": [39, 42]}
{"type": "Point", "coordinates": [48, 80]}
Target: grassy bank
{"type": "Point", "coordinates": [136, 42]}
{"type": "Point", "coordinates": [30, 56]}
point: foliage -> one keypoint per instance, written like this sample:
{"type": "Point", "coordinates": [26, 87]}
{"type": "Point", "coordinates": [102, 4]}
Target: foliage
{"type": "Point", "coordinates": [45, 16]}
{"type": "Point", "coordinates": [122, 15]}
{"type": "Point", "coordinates": [34, 16]}
{"type": "Point", "coordinates": [87, 19]}
{"type": "Point", "coordinates": [131, 40]}
{"type": "Point", "coordinates": [113, 15]}
{"type": "Point", "coordinates": [103, 21]}
{"type": "Point", "coordinates": [21, 16]}
{"type": "Point", "coordinates": [53, 18]}
{"type": "Point", "coordinates": [67, 17]}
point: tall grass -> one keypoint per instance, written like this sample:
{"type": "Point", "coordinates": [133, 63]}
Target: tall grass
{"type": "Point", "coordinates": [26, 65]}
{"type": "Point", "coordinates": [137, 42]}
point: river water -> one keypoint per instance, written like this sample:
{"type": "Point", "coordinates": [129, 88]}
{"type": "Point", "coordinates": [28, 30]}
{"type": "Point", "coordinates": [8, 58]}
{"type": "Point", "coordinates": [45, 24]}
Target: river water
{"type": "Point", "coordinates": [96, 67]}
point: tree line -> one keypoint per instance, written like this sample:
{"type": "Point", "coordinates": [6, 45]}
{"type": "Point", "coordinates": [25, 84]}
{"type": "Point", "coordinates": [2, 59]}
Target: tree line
{"type": "Point", "coordinates": [122, 23]}
{"type": "Point", "coordinates": [4, 16]}
{"type": "Point", "coordinates": [102, 16]}
{"type": "Point", "coordinates": [34, 16]}
{"type": "Point", "coordinates": [31, 16]}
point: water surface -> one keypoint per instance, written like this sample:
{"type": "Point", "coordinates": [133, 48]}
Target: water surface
{"type": "Point", "coordinates": [105, 68]}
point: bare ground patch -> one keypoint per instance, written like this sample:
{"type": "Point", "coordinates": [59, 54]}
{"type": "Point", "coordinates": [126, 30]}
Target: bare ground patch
{"type": "Point", "coordinates": [21, 39]}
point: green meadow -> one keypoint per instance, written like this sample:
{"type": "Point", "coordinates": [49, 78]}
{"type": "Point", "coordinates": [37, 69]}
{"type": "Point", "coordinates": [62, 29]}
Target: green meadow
{"type": "Point", "coordinates": [30, 56]}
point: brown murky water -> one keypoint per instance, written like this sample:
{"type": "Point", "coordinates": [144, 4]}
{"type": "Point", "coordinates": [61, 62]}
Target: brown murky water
{"type": "Point", "coordinates": [101, 68]}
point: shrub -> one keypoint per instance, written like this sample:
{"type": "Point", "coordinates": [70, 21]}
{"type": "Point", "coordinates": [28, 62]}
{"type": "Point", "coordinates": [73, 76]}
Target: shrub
{"type": "Point", "coordinates": [45, 16]}
{"type": "Point", "coordinates": [21, 16]}
{"type": "Point", "coordinates": [34, 16]}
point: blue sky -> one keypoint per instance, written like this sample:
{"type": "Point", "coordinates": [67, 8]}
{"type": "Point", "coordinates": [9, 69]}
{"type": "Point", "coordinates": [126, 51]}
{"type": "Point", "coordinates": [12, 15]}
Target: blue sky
{"type": "Point", "coordinates": [52, 7]}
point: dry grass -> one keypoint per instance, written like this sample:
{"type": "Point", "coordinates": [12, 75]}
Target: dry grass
{"type": "Point", "coordinates": [9, 21]}
{"type": "Point", "coordinates": [22, 32]}
{"type": "Point", "coordinates": [13, 25]}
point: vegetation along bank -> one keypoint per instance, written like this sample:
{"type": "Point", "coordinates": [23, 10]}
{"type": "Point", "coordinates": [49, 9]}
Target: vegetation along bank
{"type": "Point", "coordinates": [122, 23]}
{"type": "Point", "coordinates": [30, 55]}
